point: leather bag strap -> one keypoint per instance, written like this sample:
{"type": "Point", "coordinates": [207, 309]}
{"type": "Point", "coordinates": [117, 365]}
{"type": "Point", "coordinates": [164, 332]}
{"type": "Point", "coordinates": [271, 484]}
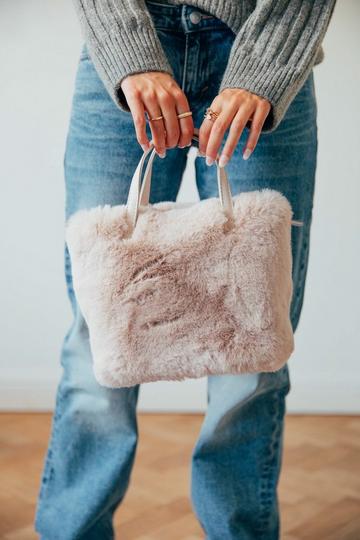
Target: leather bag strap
{"type": "Point", "coordinates": [139, 192]}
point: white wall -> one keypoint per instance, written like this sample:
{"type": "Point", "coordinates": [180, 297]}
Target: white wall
{"type": "Point", "coordinates": [40, 43]}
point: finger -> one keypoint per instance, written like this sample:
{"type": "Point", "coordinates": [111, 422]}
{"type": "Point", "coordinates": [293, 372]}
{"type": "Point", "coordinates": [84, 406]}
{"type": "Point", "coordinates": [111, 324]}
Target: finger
{"type": "Point", "coordinates": [236, 129]}
{"type": "Point", "coordinates": [205, 130]}
{"type": "Point", "coordinates": [138, 114]}
{"type": "Point", "coordinates": [157, 126]}
{"type": "Point", "coordinates": [217, 133]}
{"type": "Point", "coordinates": [171, 122]}
{"type": "Point", "coordinates": [186, 124]}
{"type": "Point", "coordinates": [257, 123]}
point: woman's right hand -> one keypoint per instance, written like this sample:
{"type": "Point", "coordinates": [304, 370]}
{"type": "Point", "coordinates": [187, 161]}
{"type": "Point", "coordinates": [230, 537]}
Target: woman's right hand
{"type": "Point", "coordinates": [157, 93]}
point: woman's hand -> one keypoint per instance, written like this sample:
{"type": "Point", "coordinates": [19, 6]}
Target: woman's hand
{"type": "Point", "coordinates": [157, 93]}
{"type": "Point", "coordinates": [236, 107]}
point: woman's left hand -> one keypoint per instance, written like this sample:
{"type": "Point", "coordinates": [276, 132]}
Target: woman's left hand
{"type": "Point", "coordinates": [236, 107]}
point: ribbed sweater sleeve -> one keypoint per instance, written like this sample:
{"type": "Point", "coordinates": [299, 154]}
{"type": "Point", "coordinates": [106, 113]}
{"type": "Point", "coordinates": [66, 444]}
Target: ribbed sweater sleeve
{"type": "Point", "coordinates": [121, 40]}
{"type": "Point", "coordinates": [275, 49]}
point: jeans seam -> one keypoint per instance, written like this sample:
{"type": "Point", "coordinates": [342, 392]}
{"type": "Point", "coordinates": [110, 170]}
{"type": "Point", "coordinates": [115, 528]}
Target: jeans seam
{"type": "Point", "coordinates": [104, 526]}
{"type": "Point", "coordinates": [302, 269]}
{"type": "Point", "coordinates": [185, 62]}
{"type": "Point", "coordinates": [48, 470]}
{"type": "Point", "coordinates": [269, 466]}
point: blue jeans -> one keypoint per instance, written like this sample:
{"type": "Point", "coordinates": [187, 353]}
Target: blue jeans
{"type": "Point", "coordinates": [236, 459]}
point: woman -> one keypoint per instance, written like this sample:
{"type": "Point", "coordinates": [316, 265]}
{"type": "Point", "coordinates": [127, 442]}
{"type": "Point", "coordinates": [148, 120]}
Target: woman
{"type": "Point", "coordinates": [248, 66]}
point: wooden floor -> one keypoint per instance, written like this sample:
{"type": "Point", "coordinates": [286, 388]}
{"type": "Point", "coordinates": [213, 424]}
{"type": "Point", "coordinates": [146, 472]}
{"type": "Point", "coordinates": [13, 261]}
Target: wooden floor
{"type": "Point", "coordinates": [319, 488]}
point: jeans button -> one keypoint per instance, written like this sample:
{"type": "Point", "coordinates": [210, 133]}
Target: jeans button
{"type": "Point", "coordinates": [195, 17]}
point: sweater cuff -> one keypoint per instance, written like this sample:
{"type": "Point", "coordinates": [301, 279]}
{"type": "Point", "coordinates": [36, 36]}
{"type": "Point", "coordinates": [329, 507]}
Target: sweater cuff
{"type": "Point", "coordinates": [276, 83]}
{"type": "Point", "coordinates": [116, 58]}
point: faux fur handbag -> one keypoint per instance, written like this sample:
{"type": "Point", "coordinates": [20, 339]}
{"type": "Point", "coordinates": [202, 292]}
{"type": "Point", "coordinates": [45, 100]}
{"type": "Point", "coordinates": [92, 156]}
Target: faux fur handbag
{"type": "Point", "coordinates": [172, 290]}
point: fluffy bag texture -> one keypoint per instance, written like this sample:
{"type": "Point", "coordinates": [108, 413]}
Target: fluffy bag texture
{"type": "Point", "coordinates": [188, 293]}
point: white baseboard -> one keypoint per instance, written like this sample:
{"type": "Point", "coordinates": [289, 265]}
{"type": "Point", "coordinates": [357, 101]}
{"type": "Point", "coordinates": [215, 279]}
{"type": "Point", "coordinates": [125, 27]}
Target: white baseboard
{"type": "Point", "coordinates": [324, 396]}
{"type": "Point", "coordinates": [310, 397]}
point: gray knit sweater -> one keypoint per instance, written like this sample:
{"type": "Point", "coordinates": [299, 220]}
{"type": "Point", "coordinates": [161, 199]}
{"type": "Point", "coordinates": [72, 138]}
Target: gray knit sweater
{"type": "Point", "coordinates": [277, 43]}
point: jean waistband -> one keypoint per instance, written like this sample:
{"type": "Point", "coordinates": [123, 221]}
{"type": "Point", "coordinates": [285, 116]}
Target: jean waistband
{"type": "Point", "coordinates": [182, 18]}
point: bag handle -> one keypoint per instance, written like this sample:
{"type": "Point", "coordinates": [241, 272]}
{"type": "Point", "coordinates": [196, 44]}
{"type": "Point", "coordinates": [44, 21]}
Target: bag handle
{"type": "Point", "coordinates": [139, 192]}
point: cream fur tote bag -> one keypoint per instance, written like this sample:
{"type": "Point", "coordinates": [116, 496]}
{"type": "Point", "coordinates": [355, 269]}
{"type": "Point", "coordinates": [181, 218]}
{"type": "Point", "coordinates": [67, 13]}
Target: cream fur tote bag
{"type": "Point", "coordinates": [172, 290]}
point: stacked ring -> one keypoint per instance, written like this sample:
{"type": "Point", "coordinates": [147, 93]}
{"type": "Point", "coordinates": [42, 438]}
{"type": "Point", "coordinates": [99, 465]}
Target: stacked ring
{"type": "Point", "coordinates": [181, 115]}
{"type": "Point", "coordinates": [156, 118]}
{"type": "Point", "coordinates": [184, 114]}
{"type": "Point", "coordinates": [210, 114]}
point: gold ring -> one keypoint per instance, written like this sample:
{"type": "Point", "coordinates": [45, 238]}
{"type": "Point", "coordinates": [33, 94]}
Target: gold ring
{"type": "Point", "coordinates": [156, 118]}
{"type": "Point", "coordinates": [184, 114]}
{"type": "Point", "coordinates": [210, 114]}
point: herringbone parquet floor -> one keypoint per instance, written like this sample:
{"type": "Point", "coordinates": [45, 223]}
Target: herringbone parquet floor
{"type": "Point", "coordinates": [319, 488]}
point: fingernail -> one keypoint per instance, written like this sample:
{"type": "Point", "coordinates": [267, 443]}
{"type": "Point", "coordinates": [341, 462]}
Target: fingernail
{"type": "Point", "coordinates": [223, 160]}
{"type": "Point", "coordinates": [247, 153]}
{"type": "Point", "coordinates": [199, 153]}
{"type": "Point", "coordinates": [189, 144]}
{"type": "Point", "coordinates": [209, 160]}
{"type": "Point", "coordinates": [144, 147]}
{"type": "Point", "coordinates": [162, 155]}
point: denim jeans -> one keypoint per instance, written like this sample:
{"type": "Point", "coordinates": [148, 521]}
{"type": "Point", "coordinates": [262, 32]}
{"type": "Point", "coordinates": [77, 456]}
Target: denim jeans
{"type": "Point", "coordinates": [236, 459]}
